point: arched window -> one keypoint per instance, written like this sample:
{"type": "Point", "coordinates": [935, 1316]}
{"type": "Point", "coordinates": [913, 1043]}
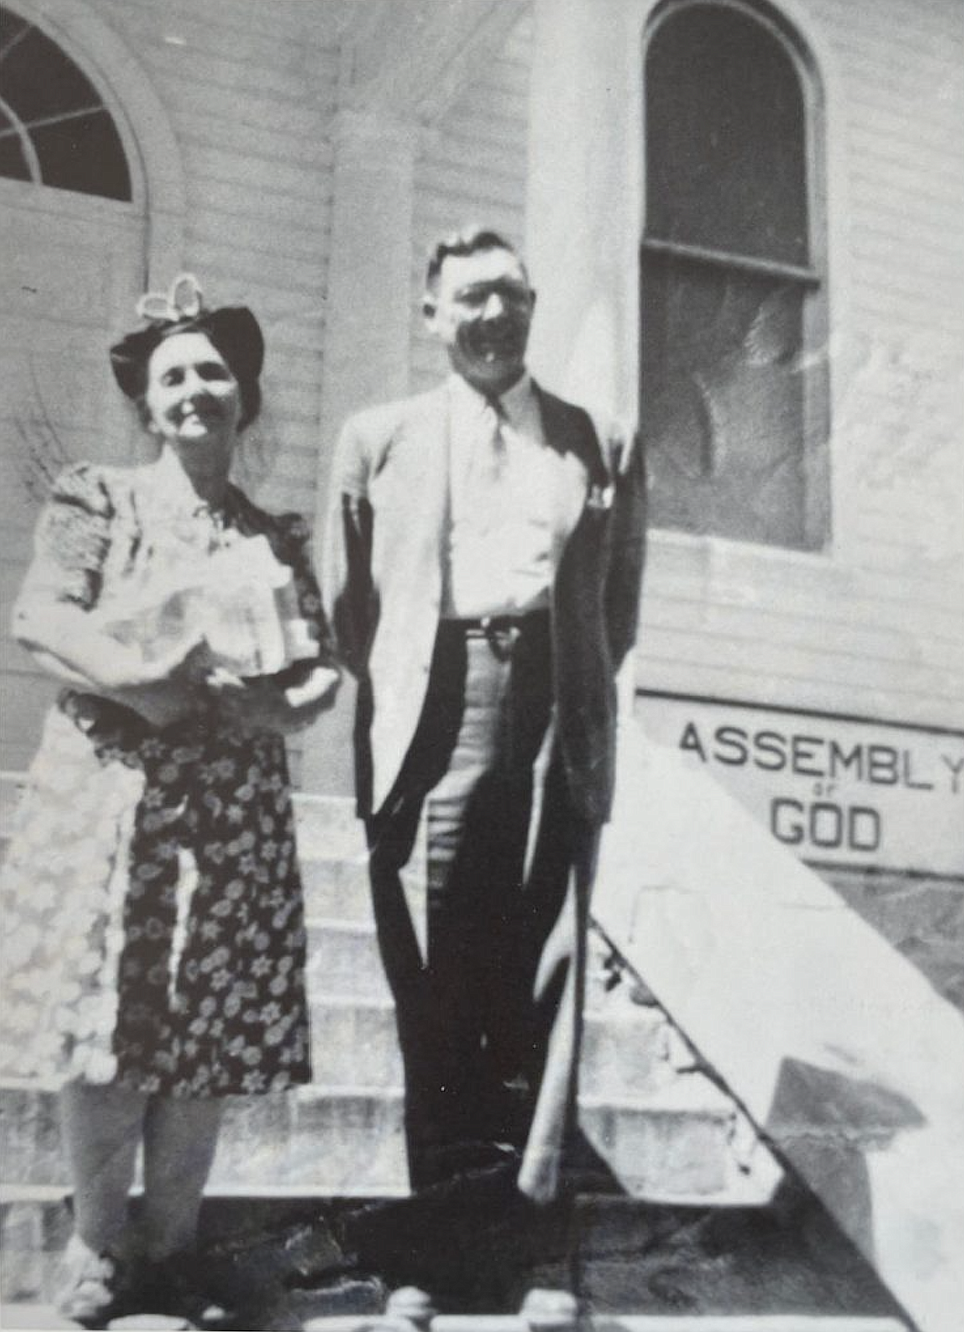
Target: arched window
{"type": "Point", "coordinates": [54, 128]}
{"type": "Point", "coordinates": [733, 374]}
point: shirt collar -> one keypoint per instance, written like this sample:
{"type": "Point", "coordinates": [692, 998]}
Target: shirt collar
{"type": "Point", "coordinates": [514, 402]}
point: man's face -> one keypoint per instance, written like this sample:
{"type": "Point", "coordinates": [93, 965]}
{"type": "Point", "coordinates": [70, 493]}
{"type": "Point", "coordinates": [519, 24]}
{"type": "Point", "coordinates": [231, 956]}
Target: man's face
{"type": "Point", "coordinates": [481, 310]}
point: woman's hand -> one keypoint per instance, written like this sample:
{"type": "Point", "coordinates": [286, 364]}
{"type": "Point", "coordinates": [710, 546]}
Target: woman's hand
{"type": "Point", "coordinates": [72, 643]}
{"type": "Point", "coordinates": [187, 663]}
{"type": "Point", "coordinates": [167, 689]}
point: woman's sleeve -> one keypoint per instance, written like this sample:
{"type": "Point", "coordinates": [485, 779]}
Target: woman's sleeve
{"type": "Point", "coordinates": [71, 541]}
{"type": "Point", "coordinates": [297, 545]}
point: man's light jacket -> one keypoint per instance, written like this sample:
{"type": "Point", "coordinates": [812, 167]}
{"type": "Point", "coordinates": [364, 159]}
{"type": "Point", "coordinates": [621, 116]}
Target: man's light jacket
{"type": "Point", "coordinates": [383, 577]}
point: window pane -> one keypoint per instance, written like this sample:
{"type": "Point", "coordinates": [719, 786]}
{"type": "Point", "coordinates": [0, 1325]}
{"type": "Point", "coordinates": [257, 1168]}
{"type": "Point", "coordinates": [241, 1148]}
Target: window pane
{"type": "Point", "coordinates": [12, 161]}
{"type": "Point", "coordinates": [74, 137]}
{"type": "Point", "coordinates": [40, 81]}
{"type": "Point", "coordinates": [83, 153]}
{"type": "Point", "coordinates": [724, 137]}
{"type": "Point", "coordinates": [722, 402]}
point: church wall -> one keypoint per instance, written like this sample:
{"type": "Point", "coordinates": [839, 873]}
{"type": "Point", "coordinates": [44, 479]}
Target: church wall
{"type": "Point", "coordinates": [871, 624]}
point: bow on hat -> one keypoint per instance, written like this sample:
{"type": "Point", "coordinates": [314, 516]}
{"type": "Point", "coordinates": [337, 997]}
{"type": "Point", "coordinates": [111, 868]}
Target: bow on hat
{"type": "Point", "coordinates": [232, 329]}
{"type": "Point", "coordinates": [183, 300]}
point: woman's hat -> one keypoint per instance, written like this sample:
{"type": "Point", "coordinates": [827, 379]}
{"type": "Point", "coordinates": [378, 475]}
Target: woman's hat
{"type": "Point", "coordinates": [233, 329]}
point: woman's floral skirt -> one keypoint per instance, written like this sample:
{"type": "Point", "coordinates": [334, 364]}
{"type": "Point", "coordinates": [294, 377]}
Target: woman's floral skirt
{"type": "Point", "coordinates": [153, 918]}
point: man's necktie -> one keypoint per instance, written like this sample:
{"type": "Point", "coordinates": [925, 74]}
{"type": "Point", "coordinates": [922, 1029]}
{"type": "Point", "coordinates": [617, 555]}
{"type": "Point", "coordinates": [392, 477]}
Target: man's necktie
{"type": "Point", "coordinates": [493, 445]}
{"type": "Point", "coordinates": [481, 494]}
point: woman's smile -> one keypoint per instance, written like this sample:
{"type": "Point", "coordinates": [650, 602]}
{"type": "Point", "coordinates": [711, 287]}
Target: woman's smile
{"type": "Point", "coordinates": [197, 417]}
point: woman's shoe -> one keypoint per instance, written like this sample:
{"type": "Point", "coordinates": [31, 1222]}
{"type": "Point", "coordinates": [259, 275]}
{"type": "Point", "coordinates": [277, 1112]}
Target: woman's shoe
{"type": "Point", "coordinates": [96, 1289]}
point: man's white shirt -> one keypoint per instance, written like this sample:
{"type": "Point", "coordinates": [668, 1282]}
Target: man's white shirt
{"type": "Point", "coordinates": [510, 507]}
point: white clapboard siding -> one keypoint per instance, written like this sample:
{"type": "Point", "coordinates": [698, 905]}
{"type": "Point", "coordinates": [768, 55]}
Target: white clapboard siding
{"type": "Point", "coordinates": [237, 167]}
{"type": "Point", "coordinates": [871, 625]}
{"type": "Point", "coordinates": [472, 170]}
{"type": "Point", "coordinates": [897, 644]}
{"type": "Point", "coordinates": [249, 96]}
{"type": "Point", "coordinates": [72, 264]}
{"type": "Point", "coordinates": [260, 218]}
{"type": "Point", "coordinates": [270, 124]}
{"type": "Point", "coordinates": [875, 624]}
{"type": "Point", "coordinates": [278, 35]}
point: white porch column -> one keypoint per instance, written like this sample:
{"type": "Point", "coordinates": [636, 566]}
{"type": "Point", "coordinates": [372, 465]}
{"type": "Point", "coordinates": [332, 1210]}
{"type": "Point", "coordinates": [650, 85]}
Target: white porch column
{"type": "Point", "coordinates": [369, 303]}
{"type": "Point", "coordinates": [367, 327]}
{"type": "Point", "coordinates": [402, 65]}
{"type": "Point", "coordinates": [584, 209]}
{"type": "Point", "coordinates": [584, 200]}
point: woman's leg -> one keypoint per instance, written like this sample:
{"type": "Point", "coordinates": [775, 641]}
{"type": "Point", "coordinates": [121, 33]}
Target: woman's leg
{"type": "Point", "coordinates": [102, 1129]}
{"type": "Point", "coordinates": [180, 1137]}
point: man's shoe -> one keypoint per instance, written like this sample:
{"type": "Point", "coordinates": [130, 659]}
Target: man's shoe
{"type": "Point", "coordinates": [179, 1286]}
{"type": "Point", "coordinates": [547, 1310]}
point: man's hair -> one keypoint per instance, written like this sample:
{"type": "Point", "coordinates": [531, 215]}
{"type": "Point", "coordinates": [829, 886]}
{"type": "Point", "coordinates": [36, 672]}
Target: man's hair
{"type": "Point", "coordinates": [470, 240]}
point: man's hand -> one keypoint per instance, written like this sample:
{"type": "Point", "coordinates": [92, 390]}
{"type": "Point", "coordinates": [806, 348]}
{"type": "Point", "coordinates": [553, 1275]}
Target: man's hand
{"type": "Point", "coordinates": [317, 692]}
{"type": "Point", "coordinates": [618, 440]}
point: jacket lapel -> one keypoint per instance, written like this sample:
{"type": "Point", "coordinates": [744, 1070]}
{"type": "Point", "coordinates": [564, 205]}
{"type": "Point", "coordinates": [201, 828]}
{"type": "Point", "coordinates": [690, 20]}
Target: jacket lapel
{"type": "Point", "coordinates": [409, 481]}
{"type": "Point", "coordinates": [423, 454]}
{"type": "Point", "coordinates": [569, 430]}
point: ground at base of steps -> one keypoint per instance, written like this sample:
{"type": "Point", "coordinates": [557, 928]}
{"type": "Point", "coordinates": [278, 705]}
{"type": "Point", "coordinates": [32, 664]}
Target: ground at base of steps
{"type": "Point", "coordinates": [478, 1247]}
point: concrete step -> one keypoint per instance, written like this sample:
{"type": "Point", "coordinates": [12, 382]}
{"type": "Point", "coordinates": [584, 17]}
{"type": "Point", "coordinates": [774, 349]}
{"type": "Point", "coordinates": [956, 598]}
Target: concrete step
{"type": "Point", "coordinates": [673, 1143]}
{"type": "Point", "coordinates": [333, 856]}
{"type": "Point", "coordinates": [337, 889]}
{"type": "Point", "coordinates": [332, 1140]}
{"type": "Point", "coordinates": [328, 828]}
{"type": "Point", "coordinates": [354, 1041]}
{"type": "Point", "coordinates": [663, 1128]}
{"type": "Point", "coordinates": [628, 1050]}
{"type": "Point", "coordinates": [345, 1141]}
{"type": "Point", "coordinates": [343, 960]}
{"type": "Point", "coordinates": [312, 1316]}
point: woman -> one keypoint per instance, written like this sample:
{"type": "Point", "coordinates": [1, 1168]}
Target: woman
{"type": "Point", "coordinates": [155, 949]}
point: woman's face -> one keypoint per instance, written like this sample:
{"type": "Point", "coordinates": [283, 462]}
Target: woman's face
{"type": "Point", "coordinates": [193, 401]}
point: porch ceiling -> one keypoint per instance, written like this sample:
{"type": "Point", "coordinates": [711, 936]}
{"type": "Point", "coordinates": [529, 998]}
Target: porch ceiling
{"type": "Point", "coordinates": [410, 58]}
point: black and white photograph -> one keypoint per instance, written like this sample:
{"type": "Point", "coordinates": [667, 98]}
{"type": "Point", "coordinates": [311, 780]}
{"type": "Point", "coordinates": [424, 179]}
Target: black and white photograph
{"type": "Point", "coordinates": [482, 665]}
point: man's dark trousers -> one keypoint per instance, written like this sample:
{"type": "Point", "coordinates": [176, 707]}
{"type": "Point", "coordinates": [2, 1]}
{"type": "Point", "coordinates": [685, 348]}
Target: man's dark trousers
{"type": "Point", "coordinates": [505, 929]}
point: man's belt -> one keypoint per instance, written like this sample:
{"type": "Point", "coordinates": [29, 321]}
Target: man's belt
{"type": "Point", "coordinates": [501, 631]}
{"type": "Point", "coordinates": [497, 624]}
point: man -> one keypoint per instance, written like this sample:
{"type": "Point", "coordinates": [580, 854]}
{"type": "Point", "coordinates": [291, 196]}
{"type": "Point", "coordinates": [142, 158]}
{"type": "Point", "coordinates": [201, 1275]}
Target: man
{"type": "Point", "coordinates": [482, 572]}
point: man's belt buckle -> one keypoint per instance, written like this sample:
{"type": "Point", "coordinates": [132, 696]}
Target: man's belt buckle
{"type": "Point", "coordinates": [501, 633]}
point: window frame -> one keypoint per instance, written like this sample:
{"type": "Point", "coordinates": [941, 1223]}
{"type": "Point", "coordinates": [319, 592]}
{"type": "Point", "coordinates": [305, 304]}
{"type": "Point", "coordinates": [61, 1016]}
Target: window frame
{"type": "Point", "coordinates": [816, 517]}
